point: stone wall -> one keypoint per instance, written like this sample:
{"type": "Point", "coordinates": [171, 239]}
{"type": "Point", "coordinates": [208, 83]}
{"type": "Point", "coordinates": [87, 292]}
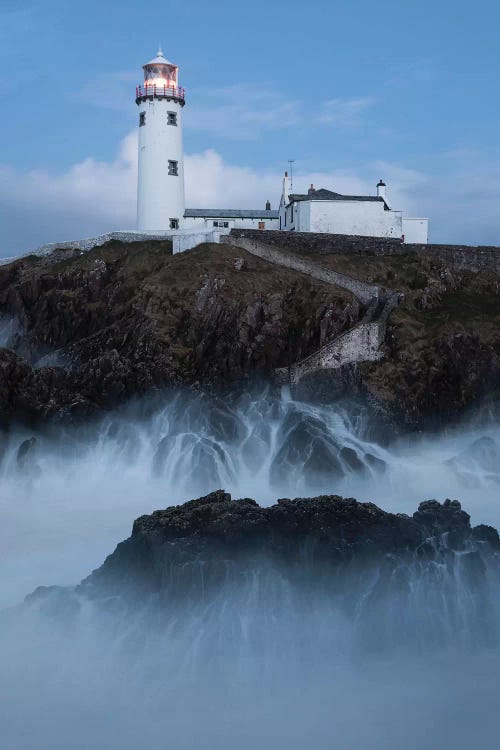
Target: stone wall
{"type": "Point", "coordinates": [90, 242]}
{"type": "Point", "coordinates": [360, 344]}
{"type": "Point", "coordinates": [364, 292]}
{"type": "Point", "coordinates": [185, 241]}
{"type": "Point", "coordinates": [323, 244]}
{"type": "Point", "coordinates": [461, 256]}
{"type": "Point", "coordinates": [466, 257]}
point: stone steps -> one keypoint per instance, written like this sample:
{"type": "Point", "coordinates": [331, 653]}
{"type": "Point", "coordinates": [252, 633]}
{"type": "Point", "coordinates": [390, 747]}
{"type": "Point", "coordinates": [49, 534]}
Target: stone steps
{"type": "Point", "coordinates": [361, 343]}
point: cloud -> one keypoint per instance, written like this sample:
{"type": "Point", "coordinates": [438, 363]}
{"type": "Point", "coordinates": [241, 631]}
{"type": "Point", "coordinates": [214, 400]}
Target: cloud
{"type": "Point", "coordinates": [93, 196]}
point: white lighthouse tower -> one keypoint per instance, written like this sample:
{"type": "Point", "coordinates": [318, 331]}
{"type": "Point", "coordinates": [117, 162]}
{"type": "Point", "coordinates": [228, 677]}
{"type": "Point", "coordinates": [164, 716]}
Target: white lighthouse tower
{"type": "Point", "coordinates": [160, 185]}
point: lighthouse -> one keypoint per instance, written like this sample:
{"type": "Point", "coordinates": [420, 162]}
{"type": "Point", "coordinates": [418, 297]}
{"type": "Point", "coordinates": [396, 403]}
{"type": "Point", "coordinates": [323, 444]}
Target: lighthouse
{"type": "Point", "coordinates": [160, 184]}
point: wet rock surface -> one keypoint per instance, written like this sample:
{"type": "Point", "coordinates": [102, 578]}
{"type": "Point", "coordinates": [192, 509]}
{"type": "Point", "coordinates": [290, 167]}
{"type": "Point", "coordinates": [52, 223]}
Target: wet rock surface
{"type": "Point", "coordinates": [305, 441]}
{"type": "Point", "coordinates": [327, 531]}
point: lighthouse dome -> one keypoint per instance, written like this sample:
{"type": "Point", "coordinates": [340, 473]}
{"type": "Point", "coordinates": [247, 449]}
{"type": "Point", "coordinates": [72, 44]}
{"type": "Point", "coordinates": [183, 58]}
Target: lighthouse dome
{"type": "Point", "coordinates": [159, 59]}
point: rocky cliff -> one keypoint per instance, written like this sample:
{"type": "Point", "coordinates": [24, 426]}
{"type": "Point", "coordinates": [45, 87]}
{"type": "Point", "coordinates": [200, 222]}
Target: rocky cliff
{"type": "Point", "coordinates": [91, 329]}
{"type": "Point", "coordinates": [82, 331]}
{"type": "Point", "coordinates": [190, 553]}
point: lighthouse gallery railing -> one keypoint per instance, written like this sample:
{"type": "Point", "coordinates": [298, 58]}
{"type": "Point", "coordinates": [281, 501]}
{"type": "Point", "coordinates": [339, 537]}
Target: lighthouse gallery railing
{"type": "Point", "coordinates": [156, 90]}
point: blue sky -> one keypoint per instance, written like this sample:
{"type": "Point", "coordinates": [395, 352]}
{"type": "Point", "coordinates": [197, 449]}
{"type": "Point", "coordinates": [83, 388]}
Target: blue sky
{"type": "Point", "coordinates": [351, 91]}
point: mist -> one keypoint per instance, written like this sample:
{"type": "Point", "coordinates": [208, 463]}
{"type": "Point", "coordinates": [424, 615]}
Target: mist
{"type": "Point", "coordinates": [262, 663]}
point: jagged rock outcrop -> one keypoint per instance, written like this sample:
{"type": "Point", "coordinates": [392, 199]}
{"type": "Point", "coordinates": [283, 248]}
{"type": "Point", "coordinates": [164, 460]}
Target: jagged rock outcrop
{"type": "Point", "coordinates": [225, 574]}
{"type": "Point", "coordinates": [329, 534]}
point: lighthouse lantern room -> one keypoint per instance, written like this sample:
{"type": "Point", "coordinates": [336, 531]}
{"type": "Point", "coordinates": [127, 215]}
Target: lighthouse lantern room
{"type": "Point", "coordinates": [160, 185]}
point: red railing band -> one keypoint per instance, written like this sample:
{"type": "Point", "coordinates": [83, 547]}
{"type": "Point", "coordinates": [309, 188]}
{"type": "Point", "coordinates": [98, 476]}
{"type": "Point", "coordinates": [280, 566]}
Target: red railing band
{"type": "Point", "coordinates": [155, 90]}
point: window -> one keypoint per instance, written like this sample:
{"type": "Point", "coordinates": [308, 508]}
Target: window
{"type": "Point", "coordinates": [172, 118]}
{"type": "Point", "coordinates": [173, 168]}
{"type": "Point", "coordinates": [174, 223]}
{"type": "Point", "coordinates": [221, 224]}
{"type": "Point", "coordinates": [142, 119]}
{"type": "Point", "coordinates": [262, 224]}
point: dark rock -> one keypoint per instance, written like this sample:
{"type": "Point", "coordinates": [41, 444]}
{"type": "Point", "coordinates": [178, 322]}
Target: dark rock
{"type": "Point", "coordinates": [486, 534]}
{"type": "Point", "coordinates": [486, 452]}
{"type": "Point", "coordinates": [206, 414]}
{"type": "Point", "coordinates": [127, 319]}
{"type": "Point", "coordinates": [305, 440]}
{"type": "Point", "coordinates": [436, 518]}
{"type": "Point", "coordinates": [25, 451]}
{"type": "Point", "coordinates": [26, 457]}
{"type": "Point", "coordinates": [207, 459]}
{"type": "Point", "coordinates": [326, 531]}
{"type": "Point", "coordinates": [351, 458]}
{"type": "Point", "coordinates": [377, 463]}
{"type": "Point", "coordinates": [482, 454]}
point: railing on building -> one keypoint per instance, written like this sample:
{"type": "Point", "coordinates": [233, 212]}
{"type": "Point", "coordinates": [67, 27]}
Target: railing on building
{"type": "Point", "coordinates": [159, 92]}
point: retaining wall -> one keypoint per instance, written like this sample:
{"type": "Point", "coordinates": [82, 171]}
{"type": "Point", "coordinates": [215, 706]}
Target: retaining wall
{"type": "Point", "coordinates": [183, 242]}
{"type": "Point", "coordinates": [90, 242]}
{"type": "Point", "coordinates": [101, 239]}
{"type": "Point", "coordinates": [360, 344]}
{"type": "Point", "coordinates": [323, 244]}
{"type": "Point", "coordinates": [466, 257]}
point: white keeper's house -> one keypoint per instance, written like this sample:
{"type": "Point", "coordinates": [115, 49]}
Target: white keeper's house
{"type": "Point", "coordinates": [161, 204]}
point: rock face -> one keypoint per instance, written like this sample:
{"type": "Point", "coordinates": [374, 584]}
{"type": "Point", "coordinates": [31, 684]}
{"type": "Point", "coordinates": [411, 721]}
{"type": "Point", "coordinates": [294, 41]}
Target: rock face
{"type": "Point", "coordinates": [218, 575]}
{"type": "Point", "coordinates": [326, 534]}
{"type": "Point", "coordinates": [92, 329]}
{"type": "Point", "coordinates": [442, 348]}
{"type": "Point", "coordinates": [123, 319]}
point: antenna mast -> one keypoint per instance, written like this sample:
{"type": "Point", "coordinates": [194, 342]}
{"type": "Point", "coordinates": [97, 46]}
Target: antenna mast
{"type": "Point", "coordinates": [291, 163]}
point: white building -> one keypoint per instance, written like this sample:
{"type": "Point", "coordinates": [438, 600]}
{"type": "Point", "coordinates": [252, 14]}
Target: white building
{"type": "Point", "coordinates": [160, 190]}
{"type": "Point", "coordinates": [328, 212]}
{"type": "Point", "coordinates": [210, 219]}
{"type": "Point", "coordinates": [160, 184]}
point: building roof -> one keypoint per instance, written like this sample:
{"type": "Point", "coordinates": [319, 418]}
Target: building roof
{"type": "Point", "coordinates": [328, 195]}
{"type": "Point", "coordinates": [159, 59]}
{"type": "Point", "coordinates": [230, 213]}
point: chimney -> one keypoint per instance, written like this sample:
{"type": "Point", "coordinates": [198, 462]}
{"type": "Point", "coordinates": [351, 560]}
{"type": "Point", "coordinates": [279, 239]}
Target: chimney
{"type": "Point", "coordinates": [381, 190]}
{"type": "Point", "coordinates": [286, 190]}
{"type": "Point", "coordinates": [268, 205]}
{"type": "Point", "coordinates": [311, 190]}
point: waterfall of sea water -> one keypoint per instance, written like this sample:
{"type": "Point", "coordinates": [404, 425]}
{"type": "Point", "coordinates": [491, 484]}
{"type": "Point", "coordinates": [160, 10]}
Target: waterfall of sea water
{"type": "Point", "coordinates": [69, 497]}
{"type": "Point", "coordinates": [402, 654]}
